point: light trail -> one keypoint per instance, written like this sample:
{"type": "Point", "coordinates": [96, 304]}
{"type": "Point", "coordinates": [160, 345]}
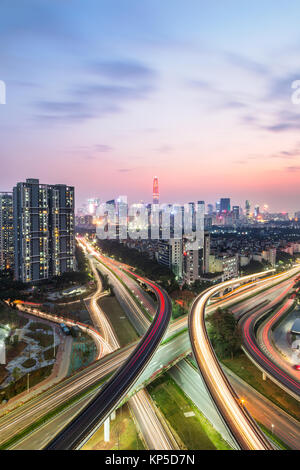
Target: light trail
{"type": "Point", "coordinates": [266, 335]}
{"type": "Point", "coordinates": [272, 363]}
{"type": "Point", "coordinates": [140, 404]}
{"type": "Point", "coordinates": [58, 394]}
{"type": "Point", "coordinates": [80, 429]}
{"type": "Point", "coordinates": [243, 428]}
{"type": "Point", "coordinates": [99, 316]}
{"type": "Point", "coordinates": [108, 265]}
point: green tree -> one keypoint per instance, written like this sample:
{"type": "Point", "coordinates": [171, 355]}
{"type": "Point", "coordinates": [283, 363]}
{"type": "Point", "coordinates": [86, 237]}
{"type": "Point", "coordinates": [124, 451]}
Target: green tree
{"type": "Point", "coordinates": [225, 335]}
{"type": "Point", "coordinates": [177, 310]}
{"type": "Point", "coordinates": [16, 373]}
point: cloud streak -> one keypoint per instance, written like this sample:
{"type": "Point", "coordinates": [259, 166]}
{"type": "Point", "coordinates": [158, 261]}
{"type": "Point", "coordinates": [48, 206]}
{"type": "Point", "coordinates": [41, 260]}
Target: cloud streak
{"type": "Point", "coordinates": [123, 70]}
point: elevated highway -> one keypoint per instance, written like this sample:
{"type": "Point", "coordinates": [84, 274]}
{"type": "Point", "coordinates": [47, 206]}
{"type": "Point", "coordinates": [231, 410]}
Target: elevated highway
{"type": "Point", "coordinates": [92, 417]}
{"type": "Point", "coordinates": [243, 428]}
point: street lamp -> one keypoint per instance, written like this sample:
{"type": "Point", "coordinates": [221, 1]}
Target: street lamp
{"type": "Point", "coordinates": [242, 402]}
{"type": "Point", "coordinates": [53, 342]}
{"type": "Point", "coordinates": [272, 425]}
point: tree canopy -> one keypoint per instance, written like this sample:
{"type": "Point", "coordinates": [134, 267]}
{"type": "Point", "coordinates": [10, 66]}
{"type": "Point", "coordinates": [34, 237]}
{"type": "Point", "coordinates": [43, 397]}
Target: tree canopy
{"type": "Point", "coordinates": [225, 335]}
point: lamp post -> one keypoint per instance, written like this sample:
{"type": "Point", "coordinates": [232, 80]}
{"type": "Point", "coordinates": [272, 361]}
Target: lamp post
{"type": "Point", "coordinates": [272, 426]}
{"type": "Point", "coordinates": [53, 341]}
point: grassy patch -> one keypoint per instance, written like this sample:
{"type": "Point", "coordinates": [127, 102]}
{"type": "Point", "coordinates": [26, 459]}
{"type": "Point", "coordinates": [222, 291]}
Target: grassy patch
{"type": "Point", "coordinates": [43, 339]}
{"type": "Point", "coordinates": [49, 353]}
{"type": "Point", "coordinates": [83, 352]}
{"type": "Point", "coordinates": [12, 350]}
{"type": "Point", "coordinates": [124, 330]}
{"type": "Point", "coordinates": [39, 326]}
{"type": "Point", "coordinates": [123, 434]}
{"type": "Point", "coordinates": [195, 431]}
{"type": "Point", "coordinates": [76, 311]}
{"type": "Point", "coordinates": [29, 363]}
{"type": "Point", "coordinates": [170, 338]}
{"type": "Point", "coordinates": [146, 313]}
{"type": "Point", "coordinates": [20, 385]}
{"type": "Point", "coordinates": [244, 368]}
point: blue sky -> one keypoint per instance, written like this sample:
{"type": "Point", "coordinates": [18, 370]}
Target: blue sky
{"type": "Point", "coordinates": [106, 94]}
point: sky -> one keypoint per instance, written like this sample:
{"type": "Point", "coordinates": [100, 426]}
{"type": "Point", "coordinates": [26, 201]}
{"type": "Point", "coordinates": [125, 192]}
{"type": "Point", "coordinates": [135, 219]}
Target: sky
{"type": "Point", "coordinates": [104, 95]}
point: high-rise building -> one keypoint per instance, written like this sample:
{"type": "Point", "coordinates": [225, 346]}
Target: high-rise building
{"type": "Point", "coordinates": [247, 209]}
{"type": "Point", "coordinates": [155, 190]}
{"type": "Point", "coordinates": [227, 265]}
{"type": "Point", "coordinates": [230, 267]}
{"type": "Point", "coordinates": [210, 208]}
{"type": "Point", "coordinates": [61, 229]}
{"type": "Point", "coordinates": [235, 213]}
{"type": "Point", "coordinates": [92, 205]}
{"type": "Point", "coordinates": [256, 211]}
{"type": "Point", "coordinates": [6, 231]}
{"type": "Point", "coordinates": [225, 204]}
{"type": "Point", "coordinates": [190, 266]}
{"type": "Point", "coordinates": [204, 254]}
{"type": "Point", "coordinates": [270, 256]}
{"type": "Point", "coordinates": [43, 230]}
{"type": "Point", "coordinates": [192, 215]}
{"type": "Point", "coordinates": [170, 255]}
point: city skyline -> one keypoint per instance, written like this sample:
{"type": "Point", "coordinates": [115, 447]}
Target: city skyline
{"type": "Point", "coordinates": [150, 228]}
{"type": "Point", "coordinates": [209, 205]}
{"type": "Point", "coordinates": [105, 98]}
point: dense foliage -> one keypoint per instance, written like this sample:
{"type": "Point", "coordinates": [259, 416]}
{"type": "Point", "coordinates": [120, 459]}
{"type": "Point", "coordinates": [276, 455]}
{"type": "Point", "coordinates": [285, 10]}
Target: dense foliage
{"type": "Point", "coordinates": [224, 333]}
{"type": "Point", "coordinates": [11, 289]}
{"type": "Point", "coordinates": [20, 384]}
{"type": "Point", "coordinates": [254, 267]}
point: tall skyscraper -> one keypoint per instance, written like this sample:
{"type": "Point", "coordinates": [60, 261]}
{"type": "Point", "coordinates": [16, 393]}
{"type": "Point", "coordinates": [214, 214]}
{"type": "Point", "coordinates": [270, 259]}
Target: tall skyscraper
{"type": "Point", "coordinates": [225, 204]}
{"type": "Point", "coordinates": [192, 215]}
{"type": "Point", "coordinates": [6, 231]}
{"type": "Point", "coordinates": [92, 205]}
{"type": "Point", "coordinates": [170, 255]}
{"type": "Point", "coordinates": [236, 212]}
{"type": "Point", "coordinates": [43, 230]}
{"type": "Point", "coordinates": [61, 228]}
{"type": "Point", "coordinates": [191, 261]}
{"type": "Point", "coordinates": [204, 254]}
{"type": "Point", "coordinates": [247, 209]}
{"type": "Point", "coordinates": [155, 190]}
{"type": "Point", "coordinates": [210, 208]}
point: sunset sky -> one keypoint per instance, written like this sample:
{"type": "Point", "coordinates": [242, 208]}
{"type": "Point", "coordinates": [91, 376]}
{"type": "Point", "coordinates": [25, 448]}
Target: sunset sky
{"type": "Point", "coordinates": [105, 94]}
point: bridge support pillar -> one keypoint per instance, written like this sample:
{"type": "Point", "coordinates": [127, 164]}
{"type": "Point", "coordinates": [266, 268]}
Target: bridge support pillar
{"type": "Point", "coordinates": [113, 415]}
{"type": "Point", "coordinates": [107, 430]}
{"type": "Point", "coordinates": [264, 376]}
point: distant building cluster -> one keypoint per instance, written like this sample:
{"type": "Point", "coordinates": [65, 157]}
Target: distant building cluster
{"type": "Point", "coordinates": [217, 257]}
{"type": "Point", "coordinates": [222, 214]}
{"type": "Point", "coordinates": [37, 230]}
